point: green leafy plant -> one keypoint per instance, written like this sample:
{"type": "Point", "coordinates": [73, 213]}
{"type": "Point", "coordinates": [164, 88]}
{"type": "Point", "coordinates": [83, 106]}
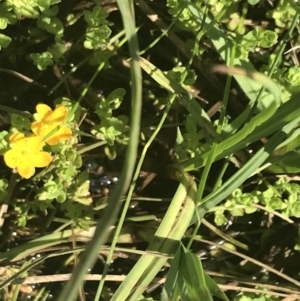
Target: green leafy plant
{"type": "Point", "coordinates": [224, 146]}
{"type": "Point", "coordinates": [259, 37]}
{"type": "Point", "coordinates": [97, 32]}
{"type": "Point", "coordinates": [43, 60]}
{"type": "Point", "coordinates": [282, 197]}
{"type": "Point", "coordinates": [111, 129]}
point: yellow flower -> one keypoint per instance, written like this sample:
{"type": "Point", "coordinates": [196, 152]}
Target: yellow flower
{"type": "Point", "coordinates": [46, 122]}
{"type": "Point", "coordinates": [26, 154]}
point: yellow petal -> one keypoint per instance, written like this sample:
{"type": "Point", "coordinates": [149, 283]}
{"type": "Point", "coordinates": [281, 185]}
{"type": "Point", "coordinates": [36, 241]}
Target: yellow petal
{"type": "Point", "coordinates": [63, 134]}
{"type": "Point", "coordinates": [59, 114]}
{"type": "Point", "coordinates": [26, 144]}
{"type": "Point", "coordinates": [14, 138]}
{"type": "Point", "coordinates": [36, 128]}
{"type": "Point", "coordinates": [36, 117]}
{"type": "Point", "coordinates": [41, 159]}
{"type": "Point", "coordinates": [34, 144]}
{"type": "Point", "coordinates": [13, 158]}
{"type": "Point", "coordinates": [41, 129]}
{"type": "Point", "coordinates": [25, 170]}
{"type": "Point", "coordinates": [18, 141]}
{"type": "Point", "coordinates": [44, 112]}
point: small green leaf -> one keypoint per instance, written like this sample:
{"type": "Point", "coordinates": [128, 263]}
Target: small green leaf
{"type": "Point", "coordinates": [42, 60]}
{"type": "Point", "coordinates": [283, 13]}
{"type": "Point", "coordinates": [237, 212]}
{"type": "Point", "coordinates": [246, 199]}
{"type": "Point", "coordinates": [3, 23]}
{"type": "Point", "coordinates": [237, 193]}
{"type": "Point", "coordinates": [20, 122]}
{"type": "Point", "coordinates": [250, 209]}
{"type": "Point", "coordinates": [220, 219]}
{"type": "Point", "coordinates": [61, 198]}
{"type": "Point", "coordinates": [295, 209]}
{"type": "Point", "coordinates": [267, 38]}
{"type": "Point", "coordinates": [96, 17]}
{"type": "Point", "coordinates": [78, 161]}
{"type": "Point", "coordinates": [293, 198]}
{"type": "Point", "coordinates": [4, 41]}
{"type": "Point", "coordinates": [50, 191]}
{"type": "Point", "coordinates": [269, 193]}
{"type": "Point", "coordinates": [74, 210]}
{"type": "Point", "coordinates": [115, 98]}
{"type": "Point", "coordinates": [55, 26]}
{"type": "Point", "coordinates": [27, 11]}
{"type": "Point", "coordinates": [275, 204]}
{"type": "Point", "coordinates": [110, 152]}
{"type": "Point", "coordinates": [43, 21]}
{"type": "Point", "coordinates": [22, 220]}
{"type": "Point", "coordinates": [178, 72]}
{"type": "Point", "coordinates": [6, 17]}
{"type": "Point", "coordinates": [97, 37]}
{"type": "Point", "coordinates": [70, 154]}
{"type": "Point", "coordinates": [57, 50]}
{"type": "Point", "coordinates": [44, 4]}
{"type": "Point", "coordinates": [190, 123]}
{"type": "Point", "coordinates": [118, 123]}
{"type": "Point", "coordinates": [82, 193]}
{"type": "Point", "coordinates": [51, 11]}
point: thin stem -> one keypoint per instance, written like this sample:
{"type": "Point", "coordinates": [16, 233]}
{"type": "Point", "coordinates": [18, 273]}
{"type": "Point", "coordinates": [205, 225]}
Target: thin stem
{"type": "Point", "coordinates": [164, 32]}
{"type": "Point", "coordinates": [70, 290]}
{"type": "Point", "coordinates": [74, 69]}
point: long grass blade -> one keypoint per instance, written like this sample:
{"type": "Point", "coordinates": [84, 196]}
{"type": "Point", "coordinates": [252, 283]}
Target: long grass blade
{"type": "Point", "coordinates": [165, 241]}
{"type": "Point", "coordinates": [262, 125]}
{"type": "Point", "coordinates": [70, 289]}
{"type": "Point", "coordinates": [246, 171]}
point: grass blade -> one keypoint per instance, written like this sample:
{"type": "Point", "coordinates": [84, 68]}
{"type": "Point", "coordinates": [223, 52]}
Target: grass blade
{"type": "Point", "coordinates": [262, 125]}
{"type": "Point", "coordinates": [166, 241]}
{"type": "Point", "coordinates": [88, 257]}
{"type": "Point", "coordinates": [246, 171]}
{"type": "Point", "coordinates": [170, 290]}
{"type": "Point", "coordinates": [183, 95]}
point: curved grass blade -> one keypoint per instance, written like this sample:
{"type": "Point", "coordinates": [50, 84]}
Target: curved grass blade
{"type": "Point", "coordinates": [257, 77]}
{"type": "Point", "coordinates": [186, 280]}
{"type": "Point", "coordinates": [88, 257]}
{"type": "Point", "coordinates": [191, 271]}
{"type": "Point", "coordinates": [171, 288]}
{"type": "Point", "coordinates": [246, 171]}
{"type": "Point", "coordinates": [183, 95]}
{"type": "Point", "coordinates": [38, 245]}
{"type": "Point", "coordinates": [166, 241]}
{"type": "Point", "coordinates": [262, 125]}
{"type": "Point", "coordinates": [198, 283]}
